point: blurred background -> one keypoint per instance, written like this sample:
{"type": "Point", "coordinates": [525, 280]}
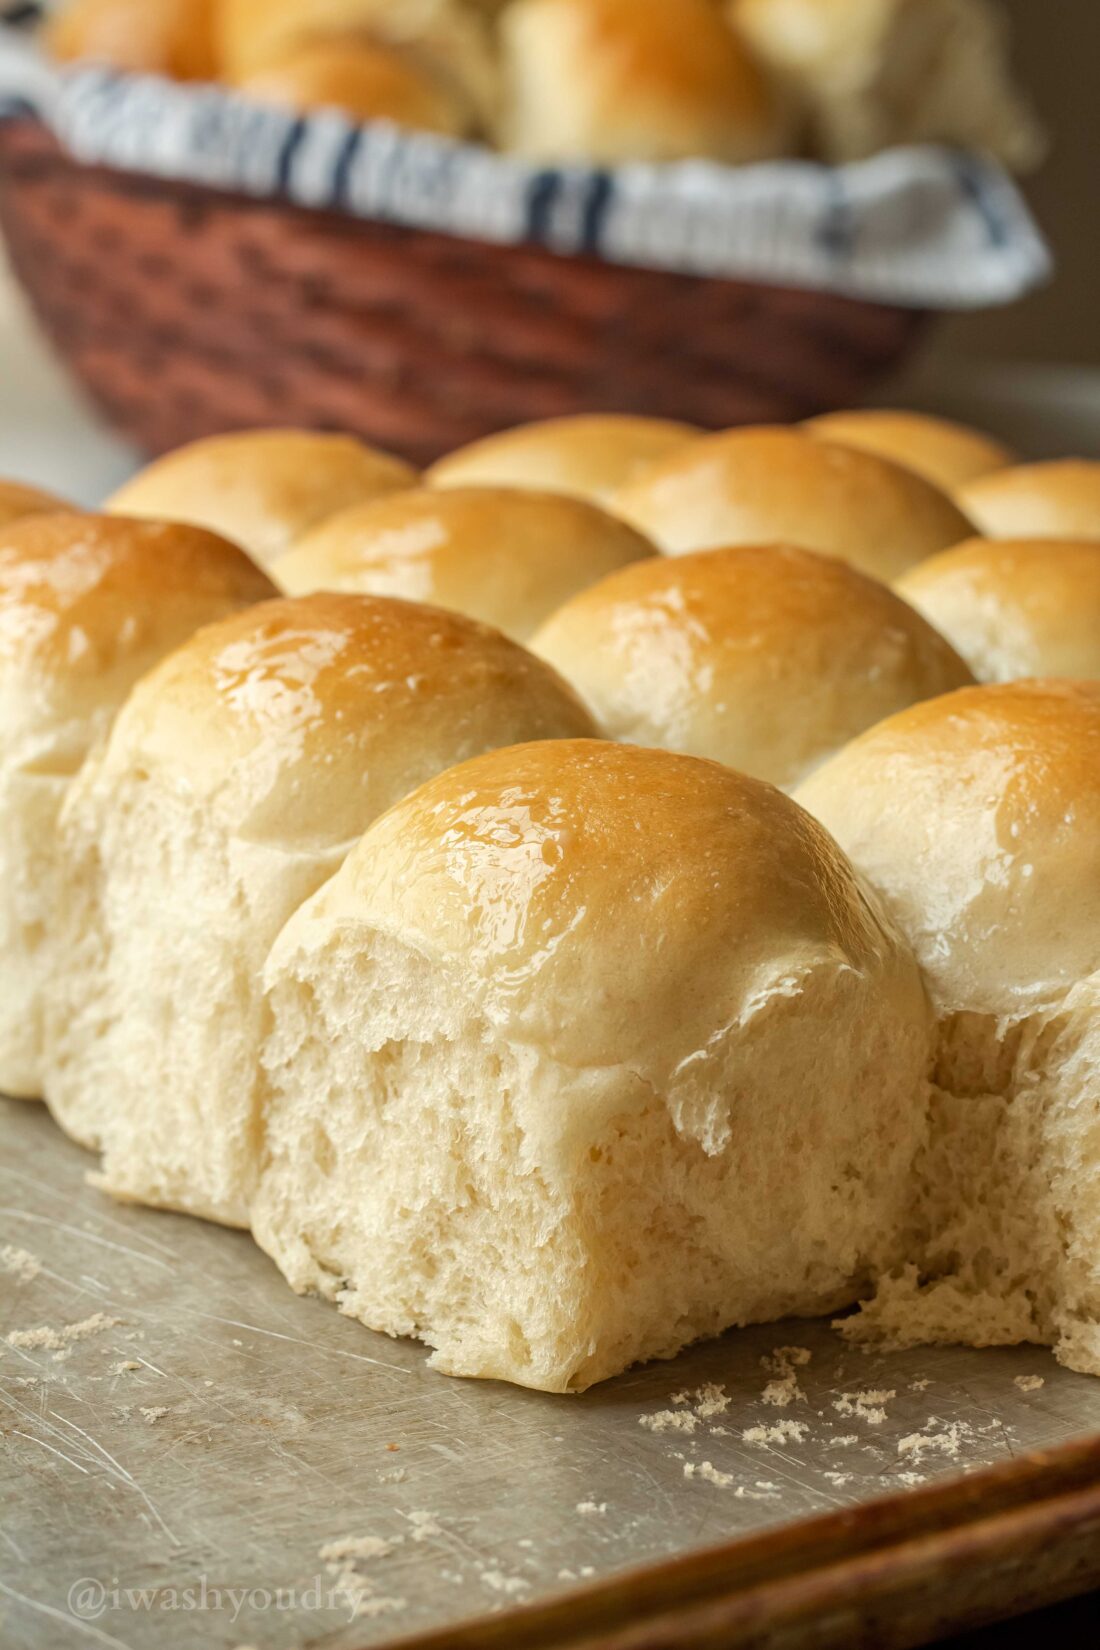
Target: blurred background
{"type": "Point", "coordinates": [1032, 369]}
{"type": "Point", "coordinates": [1029, 371]}
{"type": "Point", "coordinates": [1056, 49]}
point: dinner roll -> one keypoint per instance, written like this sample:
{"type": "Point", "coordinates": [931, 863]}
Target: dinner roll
{"type": "Point", "coordinates": [18, 500]}
{"type": "Point", "coordinates": [235, 780]}
{"type": "Point", "coordinates": [764, 657]}
{"type": "Point", "coordinates": [763, 484]}
{"type": "Point", "coordinates": [590, 455]}
{"type": "Point", "coordinates": [263, 488]}
{"type": "Point", "coordinates": [254, 33]}
{"type": "Point", "coordinates": [977, 817]}
{"type": "Point", "coordinates": [873, 74]}
{"type": "Point", "coordinates": [361, 78]}
{"type": "Point", "coordinates": [169, 37]}
{"type": "Point", "coordinates": [442, 39]}
{"type": "Point", "coordinates": [1015, 607]}
{"type": "Point", "coordinates": [946, 454]}
{"type": "Point", "coordinates": [87, 605]}
{"type": "Point", "coordinates": [633, 80]}
{"type": "Point", "coordinates": [1058, 500]}
{"type": "Point", "coordinates": [501, 555]}
{"type": "Point", "coordinates": [586, 1052]}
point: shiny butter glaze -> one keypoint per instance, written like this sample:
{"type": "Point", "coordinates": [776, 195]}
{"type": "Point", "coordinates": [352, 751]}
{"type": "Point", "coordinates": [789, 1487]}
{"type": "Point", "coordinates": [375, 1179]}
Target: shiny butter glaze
{"type": "Point", "coordinates": [1015, 607]}
{"type": "Point", "coordinates": [585, 890]}
{"type": "Point", "coordinates": [87, 604]}
{"type": "Point", "coordinates": [757, 485]}
{"type": "Point", "coordinates": [505, 555]}
{"type": "Point", "coordinates": [300, 721]}
{"type": "Point", "coordinates": [977, 816]}
{"type": "Point", "coordinates": [765, 657]}
{"type": "Point", "coordinates": [262, 488]}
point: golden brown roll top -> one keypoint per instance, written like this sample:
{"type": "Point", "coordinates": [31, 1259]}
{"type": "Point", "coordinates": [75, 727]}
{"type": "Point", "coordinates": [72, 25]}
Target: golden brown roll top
{"type": "Point", "coordinates": [633, 80]}
{"type": "Point", "coordinates": [590, 455]}
{"type": "Point", "coordinates": [442, 42]}
{"type": "Point", "coordinates": [301, 720]}
{"type": "Point", "coordinates": [1056, 500]}
{"type": "Point", "coordinates": [254, 33]}
{"type": "Point", "coordinates": [767, 658]}
{"type": "Point", "coordinates": [977, 816]}
{"type": "Point", "coordinates": [944, 453]}
{"type": "Point", "coordinates": [363, 80]}
{"type": "Point", "coordinates": [87, 605]}
{"type": "Point", "coordinates": [766, 485]}
{"type": "Point", "coordinates": [261, 488]}
{"type": "Point", "coordinates": [18, 500]}
{"type": "Point", "coordinates": [674, 889]}
{"type": "Point", "coordinates": [504, 556]}
{"type": "Point", "coordinates": [169, 37]}
{"type": "Point", "coordinates": [1015, 607]}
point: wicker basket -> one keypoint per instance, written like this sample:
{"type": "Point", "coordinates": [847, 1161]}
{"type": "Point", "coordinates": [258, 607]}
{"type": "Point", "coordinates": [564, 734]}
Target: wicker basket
{"type": "Point", "coordinates": [186, 311]}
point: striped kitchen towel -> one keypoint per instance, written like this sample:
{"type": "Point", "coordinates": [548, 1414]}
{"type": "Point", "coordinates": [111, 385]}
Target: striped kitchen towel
{"type": "Point", "coordinates": [929, 227]}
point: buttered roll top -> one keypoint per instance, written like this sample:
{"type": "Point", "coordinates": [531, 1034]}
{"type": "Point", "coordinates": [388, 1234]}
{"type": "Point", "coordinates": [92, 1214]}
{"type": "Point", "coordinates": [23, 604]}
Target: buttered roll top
{"type": "Point", "coordinates": [766, 657]}
{"type": "Point", "coordinates": [504, 555]}
{"type": "Point", "coordinates": [587, 892]}
{"type": "Point", "coordinates": [977, 816]}
{"type": "Point", "coordinates": [297, 723]}
{"type": "Point", "coordinates": [261, 488]}
{"type": "Point", "coordinates": [1057, 500]}
{"type": "Point", "coordinates": [87, 605]}
{"type": "Point", "coordinates": [590, 455]}
{"type": "Point", "coordinates": [763, 484]}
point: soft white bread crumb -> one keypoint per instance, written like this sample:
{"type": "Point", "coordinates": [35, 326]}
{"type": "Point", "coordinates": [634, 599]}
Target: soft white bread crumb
{"type": "Point", "coordinates": [236, 778]}
{"type": "Point", "coordinates": [764, 657]}
{"type": "Point", "coordinates": [262, 488]}
{"type": "Point", "coordinates": [586, 1052]}
{"type": "Point", "coordinates": [1015, 607]}
{"type": "Point", "coordinates": [588, 455]}
{"type": "Point", "coordinates": [87, 605]}
{"type": "Point", "coordinates": [977, 816]}
{"type": "Point", "coordinates": [505, 555]}
{"type": "Point", "coordinates": [878, 73]}
{"type": "Point", "coordinates": [947, 454]}
{"type": "Point", "coordinates": [765, 485]}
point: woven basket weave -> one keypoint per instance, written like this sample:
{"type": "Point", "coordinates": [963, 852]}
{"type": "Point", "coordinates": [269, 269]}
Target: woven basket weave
{"type": "Point", "coordinates": [186, 311]}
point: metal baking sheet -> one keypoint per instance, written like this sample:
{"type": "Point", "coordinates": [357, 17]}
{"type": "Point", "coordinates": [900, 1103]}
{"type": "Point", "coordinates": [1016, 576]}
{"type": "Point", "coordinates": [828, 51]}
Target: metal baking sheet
{"type": "Point", "coordinates": [191, 1454]}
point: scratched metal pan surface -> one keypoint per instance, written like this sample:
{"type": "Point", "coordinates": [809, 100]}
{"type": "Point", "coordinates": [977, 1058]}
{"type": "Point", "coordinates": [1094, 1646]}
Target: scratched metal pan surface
{"type": "Point", "coordinates": [193, 1455]}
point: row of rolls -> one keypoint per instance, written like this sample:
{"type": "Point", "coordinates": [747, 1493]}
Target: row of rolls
{"type": "Point", "coordinates": [622, 884]}
{"type": "Point", "coordinates": [605, 81]}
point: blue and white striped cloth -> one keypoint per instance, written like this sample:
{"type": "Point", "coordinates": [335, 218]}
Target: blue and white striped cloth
{"type": "Point", "coordinates": [927, 227]}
